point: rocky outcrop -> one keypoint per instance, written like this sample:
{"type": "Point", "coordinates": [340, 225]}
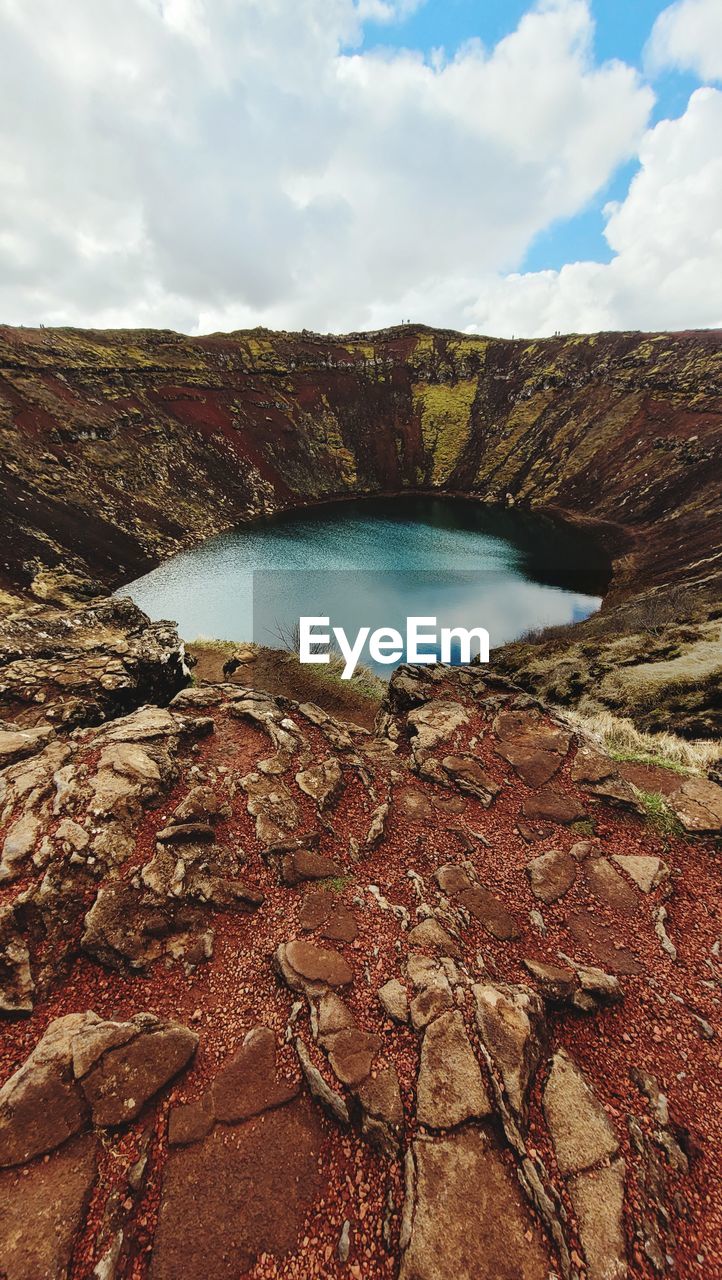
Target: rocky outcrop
{"type": "Point", "coordinates": [61, 669]}
{"type": "Point", "coordinates": [426, 1064]}
{"type": "Point", "coordinates": [87, 1071]}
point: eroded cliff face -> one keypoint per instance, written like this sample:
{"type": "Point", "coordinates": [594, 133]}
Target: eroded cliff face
{"type": "Point", "coordinates": [118, 448]}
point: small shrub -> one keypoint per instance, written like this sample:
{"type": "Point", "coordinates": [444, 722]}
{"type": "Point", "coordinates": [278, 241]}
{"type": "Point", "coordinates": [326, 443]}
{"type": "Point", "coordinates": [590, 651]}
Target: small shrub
{"type": "Point", "coordinates": [334, 884]}
{"type": "Point", "coordinates": [659, 814]}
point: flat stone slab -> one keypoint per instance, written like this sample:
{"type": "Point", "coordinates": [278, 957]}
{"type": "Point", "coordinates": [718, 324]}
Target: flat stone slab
{"type": "Point", "coordinates": [602, 943]}
{"type": "Point", "coordinates": [239, 1192]}
{"type": "Point", "coordinates": [610, 887]}
{"type": "Point", "coordinates": [450, 1087]}
{"type": "Point", "coordinates": [598, 1200]}
{"type": "Point", "coordinates": [534, 747]}
{"type": "Point", "coordinates": [556, 981]}
{"type": "Point", "coordinates": [581, 1130]}
{"type": "Point", "coordinates": [42, 1212]}
{"type": "Point", "coordinates": [490, 912]}
{"type": "Point", "coordinates": [247, 1084]}
{"type": "Point", "coordinates": [465, 1217]}
{"type": "Point", "coordinates": [553, 806]}
{"type": "Point", "coordinates": [698, 805]}
{"type": "Point", "coordinates": [646, 872]}
{"type": "Point", "coordinates": [304, 865]}
{"type": "Point", "coordinates": [321, 913]}
{"type": "Point", "coordinates": [351, 1053]}
{"type": "Point", "coordinates": [414, 805]}
{"type": "Point", "coordinates": [118, 1088]}
{"type": "Point", "coordinates": [304, 966]}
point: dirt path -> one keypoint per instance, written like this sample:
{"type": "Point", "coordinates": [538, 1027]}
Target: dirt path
{"type": "Point", "coordinates": [282, 675]}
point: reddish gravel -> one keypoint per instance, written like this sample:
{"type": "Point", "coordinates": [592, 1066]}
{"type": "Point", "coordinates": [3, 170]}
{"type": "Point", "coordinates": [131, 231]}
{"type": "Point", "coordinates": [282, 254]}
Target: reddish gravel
{"type": "Point", "coordinates": [653, 1028]}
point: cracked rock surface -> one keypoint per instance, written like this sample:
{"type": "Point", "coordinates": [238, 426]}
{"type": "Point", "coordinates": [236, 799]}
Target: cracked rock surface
{"type": "Point", "coordinates": [283, 998]}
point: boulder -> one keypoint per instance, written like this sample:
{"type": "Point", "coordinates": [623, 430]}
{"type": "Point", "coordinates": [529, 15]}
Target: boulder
{"type": "Point", "coordinates": [556, 981]}
{"type": "Point", "coordinates": [330, 1099]}
{"type": "Point", "coordinates": [600, 774]}
{"type": "Point", "coordinates": [42, 1105]}
{"type": "Point", "coordinates": [452, 879]}
{"type": "Point", "coordinates": [432, 723]}
{"type": "Point", "coordinates": [430, 936]}
{"type": "Point", "coordinates": [471, 778]}
{"type": "Point", "coordinates": [394, 1000]}
{"type": "Point", "coordinates": [18, 845]}
{"type": "Point", "coordinates": [429, 1003]}
{"type": "Point", "coordinates": [17, 743]}
{"type": "Point", "coordinates": [125, 1078]}
{"type": "Point", "coordinates": [322, 782]}
{"type": "Point", "coordinates": [201, 804]}
{"type": "Point", "coordinates": [377, 826]}
{"type": "Point", "coordinates": [270, 802]}
{"type": "Point", "coordinates": [310, 969]}
{"type": "Point", "coordinates": [414, 805]}
{"type": "Point", "coordinates": [552, 875]}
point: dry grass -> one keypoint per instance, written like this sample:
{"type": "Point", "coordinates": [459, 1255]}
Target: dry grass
{"type": "Point", "coordinates": [623, 741]}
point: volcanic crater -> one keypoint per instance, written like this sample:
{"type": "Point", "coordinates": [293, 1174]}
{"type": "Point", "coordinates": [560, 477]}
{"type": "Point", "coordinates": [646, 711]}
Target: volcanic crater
{"type": "Point", "coordinates": [287, 996]}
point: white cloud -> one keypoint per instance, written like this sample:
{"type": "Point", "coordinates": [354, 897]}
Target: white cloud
{"type": "Point", "coordinates": [667, 242]}
{"type": "Point", "coordinates": [217, 163]}
{"type": "Point", "coordinates": [688, 36]}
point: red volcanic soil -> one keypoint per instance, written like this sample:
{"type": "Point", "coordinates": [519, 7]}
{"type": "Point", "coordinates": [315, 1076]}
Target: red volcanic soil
{"type": "Point", "coordinates": [667, 1023]}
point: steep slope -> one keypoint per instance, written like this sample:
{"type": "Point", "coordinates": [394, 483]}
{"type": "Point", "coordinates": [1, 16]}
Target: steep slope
{"type": "Point", "coordinates": [118, 448]}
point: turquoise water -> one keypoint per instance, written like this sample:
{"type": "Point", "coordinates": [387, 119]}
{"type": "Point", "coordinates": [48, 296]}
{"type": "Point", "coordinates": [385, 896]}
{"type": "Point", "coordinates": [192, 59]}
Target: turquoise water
{"type": "Point", "coordinates": [377, 561]}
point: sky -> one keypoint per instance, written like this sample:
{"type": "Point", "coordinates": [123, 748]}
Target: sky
{"type": "Point", "coordinates": [493, 166]}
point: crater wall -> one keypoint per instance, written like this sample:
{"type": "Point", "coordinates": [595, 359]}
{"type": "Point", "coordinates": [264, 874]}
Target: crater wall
{"type": "Point", "coordinates": [120, 447]}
